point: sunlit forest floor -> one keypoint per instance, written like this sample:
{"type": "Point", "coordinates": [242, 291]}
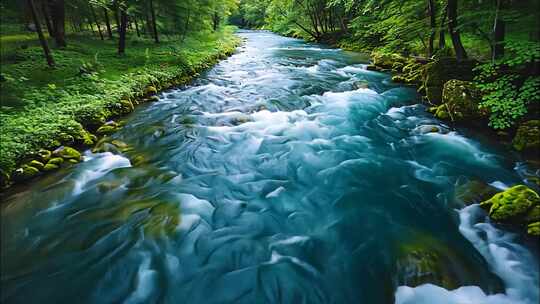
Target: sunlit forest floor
{"type": "Point", "coordinates": [42, 106]}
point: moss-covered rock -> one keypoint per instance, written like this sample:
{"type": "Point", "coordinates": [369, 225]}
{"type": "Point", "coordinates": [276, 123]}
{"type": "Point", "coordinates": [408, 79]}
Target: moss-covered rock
{"type": "Point", "coordinates": [371, 67]}
{"type": "Point", "coordinates": [108, 128]}
{"type": "Point", "coordinates": [24, 173]}
{"type": "Point", "coordinates": [438, 72]}
{"type": "Point", "coordinates": [527, 137]}
{"type": "Point", "coordinates": [44, 155]}
{"type": "Point", "coordinates": [461, 99]}
{"type": "Point", "coordinates": [36, 164]}
{"type": "Point", "coordinates": [55, 161]}
{"type": "Point", "coordinates": [425, 259]}
{"type": "Point", "coordinates": [533, 229]}
{"type": "Point", "coordinates": [150, 90]}
{"type": "Point", "coordinates": [67, 153]}
{"type": "Point", "coordinates": [387, 60]}
{"type": "Point", "coordinates": [122, 107]}
{"type": "Point", "coordinates": [517, 205]}
{"type": "Point", "coordinates": [473, 191]}
{"type": "Point", "coordinates": [152, 98]}
{"type": "Point", "coordinates": [441, 112]}
{"type": "Point", "coordinates": [50, 167]}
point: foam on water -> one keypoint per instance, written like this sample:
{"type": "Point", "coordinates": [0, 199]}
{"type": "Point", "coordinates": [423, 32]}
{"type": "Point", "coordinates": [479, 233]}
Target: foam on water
{"type": "Point", "coordinates": [510, 261]}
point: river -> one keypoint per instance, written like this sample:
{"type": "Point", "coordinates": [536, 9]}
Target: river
{"type": "Point", "coordinates": [288, 173]}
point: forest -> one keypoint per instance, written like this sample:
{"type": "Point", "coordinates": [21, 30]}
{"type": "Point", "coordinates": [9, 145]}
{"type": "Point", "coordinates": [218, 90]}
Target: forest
{"type": "Point", "coordinates": [270, 151]}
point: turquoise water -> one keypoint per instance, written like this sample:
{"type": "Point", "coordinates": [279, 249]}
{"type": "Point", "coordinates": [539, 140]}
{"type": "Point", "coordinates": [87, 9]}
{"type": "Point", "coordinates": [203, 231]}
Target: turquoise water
{"type": "Point", "coordinates": [286, 174]}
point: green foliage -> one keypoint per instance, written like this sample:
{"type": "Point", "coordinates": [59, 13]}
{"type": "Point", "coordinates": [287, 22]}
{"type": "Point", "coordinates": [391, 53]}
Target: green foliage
{"type": "Point", "coordinates": [50, 107]}
{"type": "Point", "coordinates": [508, 85]}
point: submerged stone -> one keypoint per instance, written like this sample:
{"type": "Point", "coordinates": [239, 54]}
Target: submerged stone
{"type": "Point", "coordinates": [473, 191]}
{"type": "Point", "coordinates": [527, 137]}
{"type": "Point", "coordinates": [514, 205]}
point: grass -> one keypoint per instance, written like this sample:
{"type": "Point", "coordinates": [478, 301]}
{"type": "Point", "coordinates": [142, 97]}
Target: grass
{"type": "Point", "coordinates": [44, 107]}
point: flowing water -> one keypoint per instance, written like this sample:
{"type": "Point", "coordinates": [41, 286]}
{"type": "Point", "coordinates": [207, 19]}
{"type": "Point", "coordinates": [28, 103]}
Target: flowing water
{"type": "Point", "coordinates": [286, 174]}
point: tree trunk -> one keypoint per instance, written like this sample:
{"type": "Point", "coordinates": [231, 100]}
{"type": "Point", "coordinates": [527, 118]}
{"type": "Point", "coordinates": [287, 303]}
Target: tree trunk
{"type": "Point", "coordinates": [149, 25]}
{"type": "Point", "coordinates": [47, 18]}
{"type": "Point", "coordinates": [454, 32]}
{"type": "Point", "coordinates": [116, 17]}
{"type": "Point", "coordinates": [122, 32]}
{"type": "Point", "coordinates": [499, 28]}
{"type": "Point", "coordinates": [107, 23]}
{"type": "Point", "coordinates": [96, 21]}
{"type": "Point", "coordinates": [137, 27]}
{"type": "Point", "coordinates": [215, 21]}
{"type": "Point", "coordinates": [432, 25]}
{"type": "Point", "coordinates": [442, 38]}
{"type": "Point", "coordinates": [42, 40]}
{"type": "Point", "coordinates": [154, 26]}
{"type": "Point", "coordinates": [58, 15]}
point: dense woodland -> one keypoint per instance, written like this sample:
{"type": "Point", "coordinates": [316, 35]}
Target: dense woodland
{"type": "Point", "coordinates": [67, 64]}
{"type": "Point", "coordinates": [503, 35]}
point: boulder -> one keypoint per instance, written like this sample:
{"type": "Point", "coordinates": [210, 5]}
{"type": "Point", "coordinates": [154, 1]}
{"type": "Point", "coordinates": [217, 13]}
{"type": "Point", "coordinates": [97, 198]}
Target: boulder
{"type": "Point", "coordinates": [55, 161]}
{"type": "Point", "coordinates": [438, 72]}
{"type": "Point", "coordinates": [425, 259]}
{"type": "Point", "coordinates": [461, 99]}
{"type": "Point", "coordinates": [50, 167]}
{"type": "Point", "coordinates": [44, 155]}
{"type": "Point", "coordinates": [527, 137]}
{"type": "Point", "coordinates": [67, 153]}
{"type": "Point", "coordinates": [473, 191]}
{"type": "Point", "coordinates": [150, 90]}
{"type": "Point", "coordinates": [24, 173]}
{"type": "Point", "coordinates": [108, 128]}
{"type": "Point", "coordinates": [518, 205]}
{"type": "Point", "coordinates": [36, 164]}
{"type": "Point", "coordinates": [387, 60]}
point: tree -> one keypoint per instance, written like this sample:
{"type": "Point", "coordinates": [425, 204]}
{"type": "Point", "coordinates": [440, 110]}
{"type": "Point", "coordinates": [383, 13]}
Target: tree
{"type": "Point", "coordinates": [452, 13]}
{"type": "Point", "coordinates": [58, 14]}
{"type": "Point", "coordinates": [154, 26]}
{"type": "Point", "coordinates": [107, 22]}
{"type": "Point", "coordinates": [42, 40]}
{"type": "Point", "coordinates": [122, 29]}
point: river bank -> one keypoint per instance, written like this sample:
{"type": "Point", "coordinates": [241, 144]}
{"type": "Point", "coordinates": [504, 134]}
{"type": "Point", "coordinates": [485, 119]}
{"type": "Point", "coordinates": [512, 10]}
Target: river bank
{"type": "Point", "coordinates": [44, 109]}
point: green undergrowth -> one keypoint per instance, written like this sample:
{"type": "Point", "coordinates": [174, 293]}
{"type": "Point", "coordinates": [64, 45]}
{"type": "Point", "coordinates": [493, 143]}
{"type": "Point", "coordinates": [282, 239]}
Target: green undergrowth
{"type": "Point", "coordinates": [43, 108]}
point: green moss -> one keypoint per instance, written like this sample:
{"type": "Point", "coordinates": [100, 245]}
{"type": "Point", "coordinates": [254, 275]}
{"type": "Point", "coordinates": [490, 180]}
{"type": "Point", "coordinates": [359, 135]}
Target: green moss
{"type": "Point", "coordinates": [107, 129]}
{"type": "Point", "coordinates": [55, 161]}
{"type": "Point", "coordinates": [512, 205]}
{"type": "Point", "coordinates": [50, 167]}
{"type": "Point", "coordinates": [68, 153]}
{"type": "Point", "coordinates": [150, 90]}
{"type": "Point", "coordinates": [527, 137]}
{"type": "Point", "coordinates": [44, 155]}
{"type": "Point", "coordinates": [52, 107]}
{"type": "Point", "coordinates": [24, 173]}
{"type": "Point", "coordinates": [461, 99]}
{"type": "Point", "coordinates": [36, 164]}
{"type": "Point", "coordinates": [442, 113]}
{"type": "Point", "coordinates": [533, 229]}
